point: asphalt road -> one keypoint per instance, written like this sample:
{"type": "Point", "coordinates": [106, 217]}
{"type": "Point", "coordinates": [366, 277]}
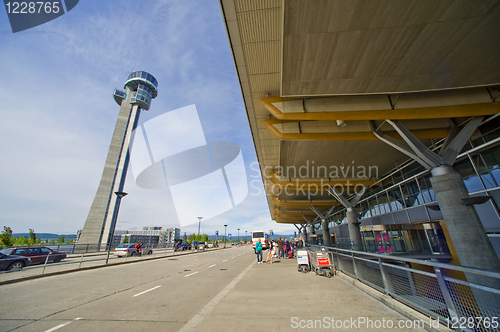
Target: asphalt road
{"type": "Point", "coordinates": [75, 261]}
{"type": "Point", "coordinates": [152, 295]}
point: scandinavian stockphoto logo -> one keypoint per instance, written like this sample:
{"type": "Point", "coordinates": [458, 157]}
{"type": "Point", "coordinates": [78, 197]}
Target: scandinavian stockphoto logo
{"type": "Point", "coordinates": [28, 14]}
{"type": "Point", "coordinates": [205, 179]}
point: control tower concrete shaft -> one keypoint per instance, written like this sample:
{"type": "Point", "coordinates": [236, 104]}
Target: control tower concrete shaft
{"type": "Point", "coordinates": [98, 231]}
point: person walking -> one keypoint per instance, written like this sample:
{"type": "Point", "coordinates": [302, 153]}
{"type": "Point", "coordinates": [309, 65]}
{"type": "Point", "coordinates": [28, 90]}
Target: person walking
{"type": "Point", "coordinates": [258, 251]}
{"type": "Point", "coordinates": [281, 253]}
{"type": "Point", "coordinates": [270, 250]}
{"type": "Point", "coordinates": [138, 248]}
{"type": "Point", "coordinates": [287, 247]}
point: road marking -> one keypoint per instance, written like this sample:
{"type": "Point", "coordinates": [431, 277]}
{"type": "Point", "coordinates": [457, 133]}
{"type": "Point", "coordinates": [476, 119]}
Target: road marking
{"type": "Point", "coordinates": [207, 310]}
{"type": "Point", "coordinates": [233, 257]}
{"type": "Point", "coordinates": [212, 265]}
{"type": "Point", "coordinates": [57, 327]}
{"type": "Point", "coordinates": [224, 261]}
{"type": "Point", "coordinates": [149, 290]}
{"type": "Point", "coordinates": [190, 274]}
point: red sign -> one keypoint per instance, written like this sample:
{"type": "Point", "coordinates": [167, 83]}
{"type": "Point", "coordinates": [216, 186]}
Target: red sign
{"type": "Point", "coordinates": [323, 261]}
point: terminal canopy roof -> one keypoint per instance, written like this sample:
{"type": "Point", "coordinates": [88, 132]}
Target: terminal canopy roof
{"type": "Point", "coordinates": [319, 77]}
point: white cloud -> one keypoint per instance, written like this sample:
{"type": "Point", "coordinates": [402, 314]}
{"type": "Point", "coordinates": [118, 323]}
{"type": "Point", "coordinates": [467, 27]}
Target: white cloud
{"type": "Point", "coordinates": [58, 113]}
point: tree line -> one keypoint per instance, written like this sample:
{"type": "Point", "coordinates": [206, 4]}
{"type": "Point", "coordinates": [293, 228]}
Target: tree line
{"type": "Point", "coordinates": [7, 240]}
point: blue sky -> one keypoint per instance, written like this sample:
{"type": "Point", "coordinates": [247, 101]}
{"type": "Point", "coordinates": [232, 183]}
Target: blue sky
{"type": "Point", "coordinates": [58, 114]}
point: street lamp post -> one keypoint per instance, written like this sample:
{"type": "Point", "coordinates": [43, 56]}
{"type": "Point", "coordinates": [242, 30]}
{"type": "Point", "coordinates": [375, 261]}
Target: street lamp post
{"type": "Point", "coordinates": [120, 195]}
{"type": "Point", "coordinates": [199, 225]}
{"type": "Point", "coordinates": [238, 235]}
{"type": "Point", "coordinates": [246, 237]}
{"type": "Point", "coordinates": [225, 236]}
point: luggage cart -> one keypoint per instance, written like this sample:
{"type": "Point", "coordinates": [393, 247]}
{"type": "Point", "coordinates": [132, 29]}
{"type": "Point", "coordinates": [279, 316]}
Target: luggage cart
{"type": "Point", "coordinates": [322, 263]}
{"type": "Point", "coordinates": [303, 260]}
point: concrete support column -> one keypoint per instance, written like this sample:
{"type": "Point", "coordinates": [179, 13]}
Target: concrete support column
{"type": "Point", "coordinates": [326, 233]}
{"type": "Point", "coordinates": [354, 234]}
{"type": "Point", "coordinates": [352, 218]}
{"type": "Point", "coordinates": [310, 232]}
{"type": "Point", "coordinates": [304, 235]}
{"type": "Point", "coordinates": [464, 226]}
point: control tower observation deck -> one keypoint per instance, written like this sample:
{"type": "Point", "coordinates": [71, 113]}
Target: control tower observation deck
{"type": "Point", "coordinates": [140, 88]}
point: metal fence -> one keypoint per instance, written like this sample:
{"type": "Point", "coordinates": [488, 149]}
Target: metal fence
{"type": "Point", "coordinates": [75, 261]}
{"type": "Point", "coordinates": [464, 299]}
{"type": "Point", "coordinates": [86, 248]}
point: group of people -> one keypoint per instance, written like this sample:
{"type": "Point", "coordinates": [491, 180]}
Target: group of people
{"type": "Point", "coordinates": [277, 249]}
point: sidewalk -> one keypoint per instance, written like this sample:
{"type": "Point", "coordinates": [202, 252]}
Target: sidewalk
{"type": "Point", "coordinates": [275, 297]}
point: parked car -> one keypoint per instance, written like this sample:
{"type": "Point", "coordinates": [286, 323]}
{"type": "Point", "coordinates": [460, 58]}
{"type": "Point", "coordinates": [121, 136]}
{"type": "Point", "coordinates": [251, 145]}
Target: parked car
{"type": "Point", "coordinates": [128, 249]}
{"type": "Point", "coordinates": [201, 246]}
{"type": "Point", "coordinates": [38, 255]}
{"type": "Point", "coordinates": [13, 263]}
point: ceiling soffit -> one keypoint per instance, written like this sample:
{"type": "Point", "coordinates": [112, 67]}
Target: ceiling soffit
{"type": "Point", "coordinates": [342, 47]}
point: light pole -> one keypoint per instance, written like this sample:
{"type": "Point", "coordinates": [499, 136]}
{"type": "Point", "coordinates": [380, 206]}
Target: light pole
{"type": "Point", "coordinates": [225, 236]}
{"type": "Point", "coordinates": [246, 236]}
{"type": "Point", "coordinates": [120, 195]}
{"type": "Point", "coordinates": [199, 225]}
{"type": "Point", "coordinates": [238, 235]}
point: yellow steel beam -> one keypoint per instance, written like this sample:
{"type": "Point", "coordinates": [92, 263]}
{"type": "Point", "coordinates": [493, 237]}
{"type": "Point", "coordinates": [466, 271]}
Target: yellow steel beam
{"type": "Point", "coordinates": [287, 218]}
{"type": "Point", "coordinates": [317, 185]}
{"type": "Point", "coordinates": [435, 112]}
{"type": "Point", "coordinates": [351, 136]}
{"type": "Point", "coordinates": [293, 213]}
{"type": "Point", "coordinates": [286, 221]}
{"type": "Point", "coordinates": [303, 203]}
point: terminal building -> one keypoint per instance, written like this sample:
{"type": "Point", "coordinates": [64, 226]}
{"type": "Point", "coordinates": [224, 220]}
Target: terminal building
{"type": "Point", "coordinates": [376, 124]}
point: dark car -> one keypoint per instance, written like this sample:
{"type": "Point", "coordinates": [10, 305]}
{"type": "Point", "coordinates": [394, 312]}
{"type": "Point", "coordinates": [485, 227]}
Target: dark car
{"type": "Point", "coordinates": [38, 255]}
{"type": "Point", "coordinates": [12, 263]}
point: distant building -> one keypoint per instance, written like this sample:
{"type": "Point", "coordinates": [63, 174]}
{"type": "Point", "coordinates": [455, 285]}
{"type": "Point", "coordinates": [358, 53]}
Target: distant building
{"type": "Point", "coordinates": [151, 236]}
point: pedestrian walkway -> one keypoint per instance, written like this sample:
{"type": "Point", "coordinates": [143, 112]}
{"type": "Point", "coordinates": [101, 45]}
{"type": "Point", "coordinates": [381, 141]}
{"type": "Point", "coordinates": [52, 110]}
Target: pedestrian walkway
{"type": "Point", "coordinates": [275, 297]}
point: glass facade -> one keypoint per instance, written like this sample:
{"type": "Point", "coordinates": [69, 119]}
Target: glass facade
{"type": "Point", "coordinates": [119, 96]}
{"type": "Point", "coordinates": [120, 93]}
{"type": "Point", "coordinates": [146, 78]}
{"type": "Point", "coordinates": [404, 197]}
{"type": "Point", "coordinates": [142, 96]}
{"type": "Point", "coordinates": [144, 93]}
{"type": "Point", "coordinates": [414, 239]}
{"type": "Point", "coordinates": [480, 171]}
{"type": "Point", "coordinates": [144, 75]}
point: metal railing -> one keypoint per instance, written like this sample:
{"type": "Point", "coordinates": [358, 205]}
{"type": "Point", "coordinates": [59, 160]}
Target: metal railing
{"type": "Point", "coordinates": [87, 248]}
{"type": "Point", "coordinates": [464, 299]}
{"type": "Point", "coordinates": [42, 261]}
{"type": "Point", "coordinates": [77, 261]}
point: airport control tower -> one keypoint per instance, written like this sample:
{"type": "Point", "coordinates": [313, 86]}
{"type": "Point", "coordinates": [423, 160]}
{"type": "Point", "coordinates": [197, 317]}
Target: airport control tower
{"type": "Point", "coordinates": [98, 231]}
